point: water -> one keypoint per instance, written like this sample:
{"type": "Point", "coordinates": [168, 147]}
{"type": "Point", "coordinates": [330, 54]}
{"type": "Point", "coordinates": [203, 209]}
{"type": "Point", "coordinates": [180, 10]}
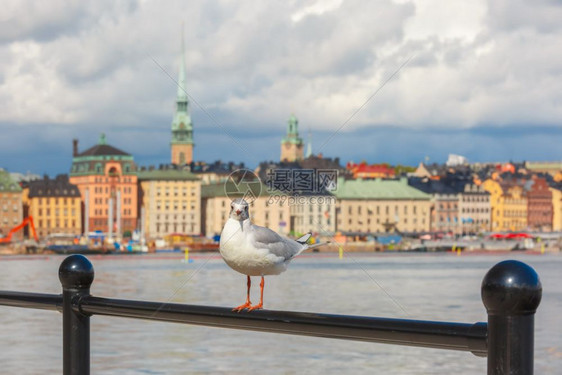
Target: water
{"type": "Point", "coordinates": [420, 286]}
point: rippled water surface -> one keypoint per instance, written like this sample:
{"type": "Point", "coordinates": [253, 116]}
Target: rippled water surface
{"type": "Point", "coordinates": [420, 286]}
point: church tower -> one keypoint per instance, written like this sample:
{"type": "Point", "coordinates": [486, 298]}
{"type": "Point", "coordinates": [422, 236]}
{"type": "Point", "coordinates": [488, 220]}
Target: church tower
{"type": "Point", "coordinates": [182, 127]}
{"type": "Point", "coordinates": [292, 146]}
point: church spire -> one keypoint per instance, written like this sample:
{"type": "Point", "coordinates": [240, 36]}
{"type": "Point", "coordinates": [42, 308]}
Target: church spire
{"type": "Point", "coordinates": [182, 127]}
{"type": "Point", "coordinates": [182, 91]}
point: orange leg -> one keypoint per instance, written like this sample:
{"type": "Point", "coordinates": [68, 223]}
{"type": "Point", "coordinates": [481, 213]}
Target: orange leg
{"type": "Point", "coordinates": [259, 305]}
{"type": "Point", "coordinates": [248, 302]}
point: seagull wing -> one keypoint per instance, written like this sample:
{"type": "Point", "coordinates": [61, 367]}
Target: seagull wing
{"type": "Point", "coordinates": [265, 238]}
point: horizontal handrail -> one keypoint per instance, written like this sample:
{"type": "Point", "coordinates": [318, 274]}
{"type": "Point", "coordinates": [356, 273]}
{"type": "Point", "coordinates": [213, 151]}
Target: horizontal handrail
{"type": "Point", "coordinates": [443, 335]}
{"type": "Point", "coordinates": [430, 334]}
{"type": "Point", "coordinates": [31, 300]}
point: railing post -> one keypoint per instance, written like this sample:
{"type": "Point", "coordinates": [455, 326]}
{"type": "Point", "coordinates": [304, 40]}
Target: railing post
{"type": "Point", "coordinates": [511, 292]}
{"type": "Point", "coordinates": [76, 274]}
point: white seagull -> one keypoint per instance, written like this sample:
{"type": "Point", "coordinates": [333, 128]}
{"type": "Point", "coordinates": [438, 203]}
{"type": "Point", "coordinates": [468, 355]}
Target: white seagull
{"type": "Point", "coordinates": [256, 251]}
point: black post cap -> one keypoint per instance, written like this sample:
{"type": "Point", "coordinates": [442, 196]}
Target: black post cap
{"type": "Point", "coordinates": [511, 288]}
{"type": "Point", "coordinates": [76, 271]}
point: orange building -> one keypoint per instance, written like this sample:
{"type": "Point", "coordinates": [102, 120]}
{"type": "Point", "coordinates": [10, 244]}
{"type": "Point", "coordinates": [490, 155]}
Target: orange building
{"type": "Point", "coordinates": [107, 180]}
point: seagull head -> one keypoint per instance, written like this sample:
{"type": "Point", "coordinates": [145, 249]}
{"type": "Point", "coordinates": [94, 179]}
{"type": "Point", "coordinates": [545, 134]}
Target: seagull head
{"type": "Point", "coordinates": [239, 210]}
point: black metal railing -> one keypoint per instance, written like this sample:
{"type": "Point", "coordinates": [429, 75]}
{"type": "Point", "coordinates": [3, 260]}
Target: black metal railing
{"type": "Point", "coordinates": [511, 292]}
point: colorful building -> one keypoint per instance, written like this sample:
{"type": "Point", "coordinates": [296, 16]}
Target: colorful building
{"type": "Point", "coordinates": [181, 145]}
{"type": "Point", "coordinates": [11, 212]}
{"type": "Point", "coordinates": [107, 180]}
{"type": "Point", "coordinates": [445, 204]}
{"type": "Point", "coordinates": [474, 209]}
{"type": "Point", "coordinates": [514, 208]}
{"type": "Point", "coordinates": [378, 206]}
{"type": "Point", "coordinates": [539, 205]}
{"type": "Point", "coordinates": [496, 203]}
{"type": "Point", "coordinates": [292, 145]}
{"type": "Point", "coordinates": [556, 209]}
{"type": "Point", "coordinates": [55, 205]}
{"type": "Point", "coordinates": [170, 202]}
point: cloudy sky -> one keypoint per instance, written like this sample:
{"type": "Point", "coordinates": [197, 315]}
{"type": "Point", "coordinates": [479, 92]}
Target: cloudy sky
{"type": "Point", "coordinates": [393, 81]}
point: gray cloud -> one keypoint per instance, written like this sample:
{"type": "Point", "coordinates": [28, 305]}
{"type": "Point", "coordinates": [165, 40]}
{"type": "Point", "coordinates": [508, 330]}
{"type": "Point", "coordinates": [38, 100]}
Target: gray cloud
{"type": "Point", "coordinates": [79, 68]}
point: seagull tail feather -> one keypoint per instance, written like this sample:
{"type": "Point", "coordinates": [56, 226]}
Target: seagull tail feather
{"type": "Point", "coordinates": [302, 240]}
{"type": "Point", "coordinates": [317, 245]}
{"type": "Point", "coordinates": [314, 246]}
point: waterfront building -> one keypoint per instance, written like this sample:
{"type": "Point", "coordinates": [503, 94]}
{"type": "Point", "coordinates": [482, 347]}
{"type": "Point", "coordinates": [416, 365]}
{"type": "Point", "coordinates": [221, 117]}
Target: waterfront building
{"type": "Point", "coordinates": [267, 209]}
{"type": "Point", "coordinates": [292, 145]}
{"type": "Point", "coordinates": [170, 202]}
{"type": "Point", "coordinates": [556, 209]}
{"type": "Point", "coordinates": [539, 205]}
{"type": "Point", "coordinates": [306, 185]}
{"type": "Point", "coordinates": [181, 145]}
{"type": "Point", "coordinates": [496, 203]}
{"type": "Point", "coordinates": [11, 212]}
{"type": "Point", "coordinates": [445, 204]}
{"type": "Point", "coordinates": [312, 212]}
{"type": "Point", "coordinates": [378, 206]}
{"type": "Point", "coordinates": [55, 205]}
{"type": "Point", "coordinates": [515, 208]}
{"type": "Point", "coordinates": [474, 209]}
{"type": "Point", "coordinates": [107, 180]}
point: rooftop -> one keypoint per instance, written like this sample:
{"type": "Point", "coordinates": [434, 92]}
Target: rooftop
{"type": "Point", "coordinates": [378, 189]}
{"type": "Point", "coordinates": [244, 189]}
{"type": "Point", "coordinates": [57, 187]}
{"type": "Point", "coordinates": [102, 149]}
{"type": "Point", "coordinates": [166, 174]}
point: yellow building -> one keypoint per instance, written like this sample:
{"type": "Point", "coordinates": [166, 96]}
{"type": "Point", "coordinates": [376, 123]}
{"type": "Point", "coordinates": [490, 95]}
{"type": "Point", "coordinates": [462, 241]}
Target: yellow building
{"type": "Point", "coordinates": [556, 210]}
{"type": "Point", "coordinates": [170, 202]}
{"type": "Point", "coordinates": [509, 205]}
{"type": "Point", "coordinates": [514, 208]}
{"type": "Point", "coordinates": [496, 202]}
{"type": "Point", "coordinates": [55, 206]}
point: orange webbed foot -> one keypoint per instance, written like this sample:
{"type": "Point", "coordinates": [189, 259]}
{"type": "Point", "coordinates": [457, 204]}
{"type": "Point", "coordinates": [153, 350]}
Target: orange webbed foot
{"type": "Point", "coordinates": [247, 305]}
{"type": "Point", "coordinates": [259, 306]}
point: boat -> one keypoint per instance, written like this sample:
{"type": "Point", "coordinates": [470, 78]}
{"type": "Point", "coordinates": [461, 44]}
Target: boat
{"type": "Point", "coordinates": [64, 243]}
